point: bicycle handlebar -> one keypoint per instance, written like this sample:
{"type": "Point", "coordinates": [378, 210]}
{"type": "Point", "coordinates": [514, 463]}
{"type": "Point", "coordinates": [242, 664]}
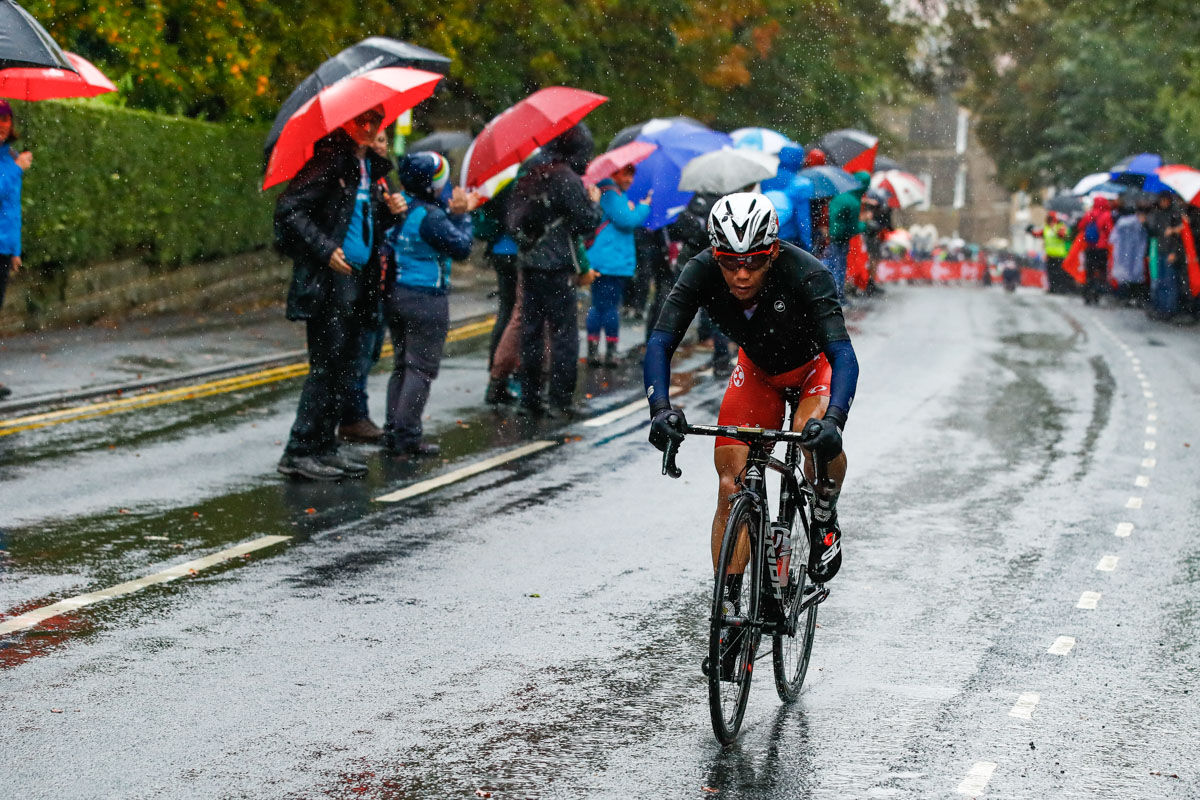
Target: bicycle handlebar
{"type": "Point", "coordinates": [750, 436]}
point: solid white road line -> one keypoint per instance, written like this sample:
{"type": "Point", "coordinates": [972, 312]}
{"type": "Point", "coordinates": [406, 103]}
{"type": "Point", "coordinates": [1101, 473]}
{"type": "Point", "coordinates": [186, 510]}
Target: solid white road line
{"type": "Point", "coordinates": [1088, 600]}
{"type": "Point", "coordinates": [1026, 703]}
{"type": "Point", "coordinates": [1148, 463]}
{"type": "Point", "coordinates": [1062, 645]}
{"type": "Point", "coordinates": [465, 472]}
{"type": "Point", "coordinates": [31, 618]}
{"type": "Point", "coordinates": [977, 778]}
{"type": "Point", "coordinates": [1133, 502]}
{"type": "Point", "coordinates": [1107, 564]}
{"type": "Point", "coordinates": [1124, 529]}
{"type": "Point", "coordinates": [616, 414]}
{"type": "Point", "coordinates": [1142, 481]}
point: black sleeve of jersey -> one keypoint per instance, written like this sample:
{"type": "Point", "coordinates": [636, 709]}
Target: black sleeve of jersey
{"type": "Point", "coordinates": [685, 299]}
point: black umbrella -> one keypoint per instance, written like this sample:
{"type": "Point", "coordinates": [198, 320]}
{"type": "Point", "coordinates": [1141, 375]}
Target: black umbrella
{"type": "Point", "coordinates": [883, 164]}
{"type": "Point", "coordinates": [25, 43]}
{"type": "Point", "coordinates": [444, 142]}
{"type": "Point", "coordinates": [371, 53]}
{"type": "Point", "coordinates": [627, 135]}
{"type": "Point", "coordinates": [1065, 204]}
{"type": "Point", "coordinates": [853, 150]}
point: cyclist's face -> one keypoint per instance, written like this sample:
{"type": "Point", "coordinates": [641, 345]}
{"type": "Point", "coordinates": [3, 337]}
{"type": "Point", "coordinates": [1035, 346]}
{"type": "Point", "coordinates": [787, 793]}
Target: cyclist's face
{"type": "Point", "coordinates": [744, 274]}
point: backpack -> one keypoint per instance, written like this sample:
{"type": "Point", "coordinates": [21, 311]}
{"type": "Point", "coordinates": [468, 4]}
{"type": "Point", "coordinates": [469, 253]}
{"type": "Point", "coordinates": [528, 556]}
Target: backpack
{"type": "Point", "coordinates": [528, 217]}
{"type": "Point", "coordinates": [1091, 233]}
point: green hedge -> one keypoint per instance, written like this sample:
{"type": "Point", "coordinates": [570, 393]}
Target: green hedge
{"type": "Point", "coordinates": [112, 182]}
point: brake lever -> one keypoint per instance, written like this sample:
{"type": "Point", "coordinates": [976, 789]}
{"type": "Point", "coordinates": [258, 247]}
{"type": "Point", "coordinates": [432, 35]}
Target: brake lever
{"type": "Point", "coordinates": [668, 466]}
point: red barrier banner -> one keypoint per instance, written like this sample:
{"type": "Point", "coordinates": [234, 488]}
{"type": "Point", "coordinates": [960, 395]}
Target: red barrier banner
{"type": "Point", "coordinates": [906, 269]}
{"type": "Point", "coordinates": [1033, 277]}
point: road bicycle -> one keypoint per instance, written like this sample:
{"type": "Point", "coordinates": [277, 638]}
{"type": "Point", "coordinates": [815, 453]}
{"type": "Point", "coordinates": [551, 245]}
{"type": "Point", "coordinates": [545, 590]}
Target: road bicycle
{"type": "Point", "coordinates": [776, 597]}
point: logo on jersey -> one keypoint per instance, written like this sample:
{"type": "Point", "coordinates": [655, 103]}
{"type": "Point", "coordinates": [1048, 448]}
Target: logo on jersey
{"type": "Point", "coordinates": [818, 389]}
{"type": "Point", "coordinates": [738, 377]}
{"type": "Point", "coordinates": [779, 306]}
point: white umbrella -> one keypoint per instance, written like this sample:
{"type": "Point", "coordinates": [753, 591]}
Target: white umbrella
{"type": "Point", "coordinates": [727, 170]}
{"type": "Point", "coordinates": [762, 139]}
{"type": "Point", "coordinates": [1085, 185]}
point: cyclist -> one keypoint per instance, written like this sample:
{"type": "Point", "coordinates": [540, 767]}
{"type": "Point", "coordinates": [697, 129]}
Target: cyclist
{"type": "Point", "coordinates": [779, 304]}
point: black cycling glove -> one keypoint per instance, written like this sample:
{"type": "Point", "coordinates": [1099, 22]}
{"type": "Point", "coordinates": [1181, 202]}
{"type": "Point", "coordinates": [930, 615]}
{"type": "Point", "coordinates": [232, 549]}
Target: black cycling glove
{"type": "Point", "coordinates": [822, 437]}
{"type": "Point", "coordinates": [668, 426]}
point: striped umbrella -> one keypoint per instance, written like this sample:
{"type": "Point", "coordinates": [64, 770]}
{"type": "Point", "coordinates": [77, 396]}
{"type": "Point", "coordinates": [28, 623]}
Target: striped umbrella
{"type": "Point", "coordinates": [906, 189]}
{"type": "Point", "coordinates": [1183, 180]}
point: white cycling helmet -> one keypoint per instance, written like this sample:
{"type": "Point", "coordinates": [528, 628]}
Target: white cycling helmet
{"type": "Point", "coordinates": [743, 223]}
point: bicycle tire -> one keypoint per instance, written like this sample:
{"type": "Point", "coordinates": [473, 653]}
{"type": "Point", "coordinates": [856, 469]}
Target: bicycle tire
{"type": "Point", "coordinates": [727, 723]}
{"type": "Point", "coordinates": [790, 654]}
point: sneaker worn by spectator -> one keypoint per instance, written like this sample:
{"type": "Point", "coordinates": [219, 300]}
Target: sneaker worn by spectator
{"type": "Point", "coordinates": [497, 393]}
{"type": "Point", "coordinates": [416, 448]}
{"type": "Point", "coordinates": [4, 391]}
{"type": "Point", "coordinates": [347, 464]}
{"type": "Point", "coordinates": [309, 467]}
{"type": "Point", "coordinates": [363, 430]}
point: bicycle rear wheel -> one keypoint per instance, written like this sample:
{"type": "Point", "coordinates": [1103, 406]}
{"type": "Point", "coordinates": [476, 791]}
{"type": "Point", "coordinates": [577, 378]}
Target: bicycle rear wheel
{"type": "Point", "coordinates": [790, 654]}
{"type": "Point", "coordinates": [733, 632]}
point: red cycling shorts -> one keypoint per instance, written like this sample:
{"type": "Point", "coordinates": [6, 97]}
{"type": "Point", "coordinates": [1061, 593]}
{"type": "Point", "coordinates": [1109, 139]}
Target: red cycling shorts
{"type": "Point", "coordinates": [755, 399]}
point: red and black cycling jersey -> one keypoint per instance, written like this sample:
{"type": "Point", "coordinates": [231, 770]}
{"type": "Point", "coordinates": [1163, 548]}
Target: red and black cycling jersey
{"type": "Point", "coordinates": [796, 316]}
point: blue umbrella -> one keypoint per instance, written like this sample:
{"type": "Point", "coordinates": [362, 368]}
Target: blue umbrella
{"type": "Point", "coordinates": [763, 139]}
{"type": "Point", "coordinates": [1139, 171]}
{"type": "Point", "coordinates": [678, 143]}
{"type": "Point", "coordinates": [829, 181]}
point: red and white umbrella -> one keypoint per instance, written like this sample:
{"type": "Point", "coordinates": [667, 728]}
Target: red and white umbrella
{"type": "Point", "coordinates": [48, 83]}
{"type": "Point", "coordinates": [397, 89]}
{"type": "Point", "coordinates": [906, 189]}
{"type": "Point", "coordinates": [1183, 180]}
{"type": "Point", "coordinates": [605, 164]}
{"type": "Point", "coordinates": [851, 149]}
{"type": "Point", "coordinates": [518, 131]}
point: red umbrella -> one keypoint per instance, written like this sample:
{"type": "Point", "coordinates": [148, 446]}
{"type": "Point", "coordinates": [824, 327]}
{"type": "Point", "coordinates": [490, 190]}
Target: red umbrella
{"type": "Point", "coordinates": [626, 155]}
{"type": "Point", "coordinates": [48, 83]}
{"type": "Point", "coordinates": [528, 125]}
{"type": "Point", "coordinates": [1182, 179]}
{"type": "Point", "coordinates": [397, 89]}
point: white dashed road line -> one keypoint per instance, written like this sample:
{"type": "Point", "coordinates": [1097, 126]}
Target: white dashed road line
{"type": "Point", "coordinates": [1142, 481]}
{"type": "Point", "coordinates": [977, 778]}
{"type": "Point", "coordinates": [1133, 502]}
{"type": "Point", "coordinates": [1088, 600]}
{"type": "Point", "coordinates": [31, 618]}
{"type": "Point", "coordinates": [1148, 463]}
{"type": "Point", "coordinates": [1107, 564]}
{"type": "Point", "coordinates": [1062, 645]}
{"type": "Point", "coordinates": [1026, 703]}
{"type": "Point", "coordinates": [1124, 529]}
{"type": "Point", "coordinates": [1150, 445]}
{"type": "Point", "coordinates": [465, 472]}
{"type": "Point", "coordinates": [1151, 430]}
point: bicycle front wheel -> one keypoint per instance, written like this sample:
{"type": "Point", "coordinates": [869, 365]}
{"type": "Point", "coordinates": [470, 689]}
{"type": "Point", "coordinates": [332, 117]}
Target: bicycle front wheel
{"type": "Point", "coordinates": [733, 630]}
{"type": "Point", "coordinates": [790, 654]}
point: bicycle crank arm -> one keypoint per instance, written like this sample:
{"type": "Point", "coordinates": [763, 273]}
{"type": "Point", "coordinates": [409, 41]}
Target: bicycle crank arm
{"type": "Point", "coordinates": [816, 598]}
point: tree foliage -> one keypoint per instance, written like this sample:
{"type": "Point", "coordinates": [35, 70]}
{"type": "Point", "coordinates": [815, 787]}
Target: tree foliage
{"type": "Point", "coordinates": [802, 65]}
{"type": "Point", "coordinates": [1064, 89]}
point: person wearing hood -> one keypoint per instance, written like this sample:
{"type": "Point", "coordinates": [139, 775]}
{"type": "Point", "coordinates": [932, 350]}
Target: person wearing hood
{"type": "Point", "coordinates": [417, 304]}
{"type": "Point", "coordinates": [795, 223]}
{"type": "Point", "coordinates": [330, 220]}
{"type": "Point", "coordinates": [1129, 247]}
{"type": "Point", "coordinates": [613, 255]}
{"type": "Point", "coordinates": [12, 174]}
{"type": "Point", "coordinates": [845, 222]}
{"type": "Point", "coordinates": [549, 211]}
{"type": "Point", "coordinates": [1096, 227]}
{"type": "Point", "coordinates": [1169, 260]}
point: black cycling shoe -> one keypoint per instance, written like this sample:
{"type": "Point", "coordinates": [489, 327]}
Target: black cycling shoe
{"type": "Point", "coordinates": [826, 557]}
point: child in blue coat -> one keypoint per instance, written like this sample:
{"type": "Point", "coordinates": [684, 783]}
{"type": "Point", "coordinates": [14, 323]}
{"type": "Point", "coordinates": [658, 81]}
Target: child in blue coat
{"type": "Point", "coordinates": [613, 256]}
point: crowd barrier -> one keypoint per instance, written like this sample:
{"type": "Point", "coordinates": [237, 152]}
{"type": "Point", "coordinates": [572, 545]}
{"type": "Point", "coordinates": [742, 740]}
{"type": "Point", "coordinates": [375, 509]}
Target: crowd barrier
{"type": "Point", "coordinates": [892, 270]}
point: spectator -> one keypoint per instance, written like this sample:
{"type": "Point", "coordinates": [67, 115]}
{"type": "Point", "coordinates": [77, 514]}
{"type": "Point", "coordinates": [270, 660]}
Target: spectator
{"type": "Point", "coordinates": [418, 289]}
{"type": "Point", "coordinates": [1096, 226]}
{"type": "Point", "coordinates": [819, 207]}
{"type": "Point", "coordinates": [795, 226]}
{"type": "Point", "coordinates": [329, 220]}
{"type": "Point", "coordinates": [613, 255]}
{"type": "Point", "coordinates": [654, 265]}
{"type": "Point", "coordinates": [356, 424]}
{"type": "Point", "coordinates": [1169, 260]}
{"type": "Point", "coordinates": [12, 175]}
{"type": "Point", "coordinates": [877, 214]}
{"type": "Point", "coordinates": [1056, 240]}
{"type": "Point", "coordinates": [690, 229]}
{"type": "Point", "coordinates": [549, 211]}
{"type": "Point", "coordinates": [845, 212]}
{"type": "Point", "coordinates": [1129, 244]}
{"type": "Point", "coordinates": [501, 255]}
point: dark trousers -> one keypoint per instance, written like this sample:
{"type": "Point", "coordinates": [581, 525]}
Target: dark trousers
{"type": "Point", "coordinates": [549, 306]}
{"type": "Point", "coordinates": [1095, 262]}
{"type": "Point", "coordinates": [419, 323]}
{"type": "Point", "coordinates": [1057, 280]}
{"type": "Point", "coordinates": [663, 278]}
{"type": "Point", "coordinates": [506, 298]}
{"type": "Point", "coordinates": [334, 333]}
{"type": "Point", "coordinates": [604, 315]}
{"type": "Point", "coordinates": [5, 268]}
{"type": "Point", "coordinates": [370, 347]}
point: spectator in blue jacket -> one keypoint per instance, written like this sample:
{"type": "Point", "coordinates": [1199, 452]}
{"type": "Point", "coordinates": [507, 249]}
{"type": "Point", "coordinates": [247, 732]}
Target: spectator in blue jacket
{"type": "Point", "coordinates": [417, 305]}
{"type": "Point", "coordinates": [12, 175]}
{"type": "Point", "coordinates": [613, 255]}
{"type": "Point", "coordinates": [795, 225]}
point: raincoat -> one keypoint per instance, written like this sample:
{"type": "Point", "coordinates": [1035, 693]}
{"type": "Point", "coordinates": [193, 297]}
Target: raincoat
{"type": "Point", "coordinates": [614, 252]}
{"type": "Point", "coordinates": [11, 178]}
{"type": "Point", "coordinates": [1129, 242]}
{"type": "Point", "coordinates": [844, 210]}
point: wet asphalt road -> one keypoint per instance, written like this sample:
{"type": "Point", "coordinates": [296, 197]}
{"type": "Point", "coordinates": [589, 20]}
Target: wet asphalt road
{"type": "Point", "coordinates": [536, 630]}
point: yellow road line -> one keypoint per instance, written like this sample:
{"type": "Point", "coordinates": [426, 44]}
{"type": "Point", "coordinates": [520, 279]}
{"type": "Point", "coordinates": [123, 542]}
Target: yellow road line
{"type": "Point", "coordinates": [194, 391]}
